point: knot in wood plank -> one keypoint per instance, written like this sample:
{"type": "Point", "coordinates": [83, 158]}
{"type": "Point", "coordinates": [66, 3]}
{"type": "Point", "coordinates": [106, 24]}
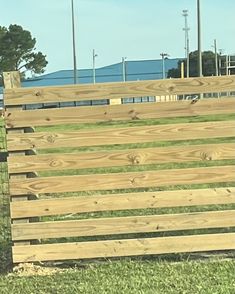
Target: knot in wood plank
{"type": "Point", "coordinates": [134, 159]}
{"type": "Point", "coordinates": [210, 155]}
{"type": "Point", "coordinates": [134, 114]}
{"type": "Point", "coordinates": [38, 93]}
{"type": "Point", "coordinates": [55, 163]}
{"type": "Point", "coordinates": [51, 138]}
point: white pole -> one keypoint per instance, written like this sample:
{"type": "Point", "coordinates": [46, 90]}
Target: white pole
{"type": "Point", "coordinates": [216, 59]}
{"type": "Point", "coordinates": [94, 55]}
{"type": "Point", "coordinates": [124, 69]}
{"type": "Point", "coordinates": [199, 38]}
{"type": "Point", "coordinates": [74, 46]}
{"type": "Point", "coordinates": [186, 29]}
{"type": "Point", "coordinates": [163, 55]}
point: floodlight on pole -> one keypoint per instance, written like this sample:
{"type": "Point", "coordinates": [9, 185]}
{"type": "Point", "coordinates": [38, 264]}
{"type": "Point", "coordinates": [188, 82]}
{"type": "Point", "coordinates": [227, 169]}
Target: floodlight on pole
{"type": "Point", "coordinates": [163, 55]}
{"type": "Point", "coordinates": [94, 55]}
{"type": "Point", "coordinates": [186, 30]}
{"type": "Point", "coordinates": [74, 46]}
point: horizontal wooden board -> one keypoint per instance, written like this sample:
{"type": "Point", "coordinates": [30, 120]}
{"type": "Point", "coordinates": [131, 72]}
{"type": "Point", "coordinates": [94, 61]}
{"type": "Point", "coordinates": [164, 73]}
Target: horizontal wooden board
{"type": "Point", "coordinates": [52, 161]}
{"type": "Point", "coordinates": [128, 247]}
{"type": "Point", "coordinates": [122, 180]}
{"type": "Point", "coordinates": [110, 136]}
{"type": "Point", "coordinates": [112, 202]}
{"type": "Point", "coordinates": [118, 90]}
{"type": "Point", "coordinates": [137, 111]}
{"type": "Point", "coordinates": [123, 225]}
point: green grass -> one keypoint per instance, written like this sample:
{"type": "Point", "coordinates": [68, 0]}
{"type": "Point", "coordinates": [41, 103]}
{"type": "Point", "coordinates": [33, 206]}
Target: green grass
{"type": "Point", "coordinates": [150, 276]}
{"type": "Point", "coordinates": [142, 122]}
{"type": "Point", "coordinates": [5, 255]}
{"type": "Point", "coordinates": [187, 273]}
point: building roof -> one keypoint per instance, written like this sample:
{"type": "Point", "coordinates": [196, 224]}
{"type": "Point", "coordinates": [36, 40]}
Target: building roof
{"type": "Point", "coordinates": [135, 70]}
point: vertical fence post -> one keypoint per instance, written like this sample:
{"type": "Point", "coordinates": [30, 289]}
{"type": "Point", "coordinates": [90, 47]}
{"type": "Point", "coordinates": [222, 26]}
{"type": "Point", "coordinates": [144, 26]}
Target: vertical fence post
{"type": "Point", "coordinates": [12, 81]}
{"type": "Point", "coordinates": [5, 235]}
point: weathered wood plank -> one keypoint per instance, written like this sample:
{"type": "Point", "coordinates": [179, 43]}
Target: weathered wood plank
{"type": "Point", "coordinates": [157, 155]}
{"type": "Point", "coordinates": [112, 202]}
{"type": "Point", "coordinates": [110, 136]}
{"type": "Point", "coordinates": [124, 225]}
{"type": "Point", "coordinates": [129, 247]}
{"type": "Point", "coordinates": [119, 90]}
{"type": "Point", "coordinates": [91, 114]}
{"type": "Point", "coordinates": [122, 180]}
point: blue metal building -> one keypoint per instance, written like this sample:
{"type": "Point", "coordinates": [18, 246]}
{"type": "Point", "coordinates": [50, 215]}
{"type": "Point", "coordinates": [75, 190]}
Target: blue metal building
{"type": "Point", "coordinates": [134, 71]}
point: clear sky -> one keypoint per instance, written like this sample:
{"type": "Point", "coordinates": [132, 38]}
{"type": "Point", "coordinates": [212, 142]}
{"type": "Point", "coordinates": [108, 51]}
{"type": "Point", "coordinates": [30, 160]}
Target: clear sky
{"type": "Point", "coordinates": [136, 29]}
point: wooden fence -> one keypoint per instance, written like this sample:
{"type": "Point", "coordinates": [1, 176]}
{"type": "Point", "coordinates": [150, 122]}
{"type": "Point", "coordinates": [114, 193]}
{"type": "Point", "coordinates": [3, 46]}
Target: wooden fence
{"type": "Point", "coordinates": [77, 210]}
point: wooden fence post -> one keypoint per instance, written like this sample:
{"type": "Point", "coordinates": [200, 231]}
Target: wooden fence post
{"type": "Point", "coordinates": [11, 80]}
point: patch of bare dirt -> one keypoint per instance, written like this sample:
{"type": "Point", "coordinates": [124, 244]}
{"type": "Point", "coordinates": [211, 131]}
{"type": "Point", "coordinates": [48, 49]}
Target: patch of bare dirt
{"type": "Point", "coordinates": [30, 269]}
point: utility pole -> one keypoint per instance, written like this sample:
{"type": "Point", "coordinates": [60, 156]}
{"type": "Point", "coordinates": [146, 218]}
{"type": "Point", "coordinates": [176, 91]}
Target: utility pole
{"type": "Point", "coordinates": [163, 55]}
{"type": "Point", "coordinates": [227, 64]}
{"type": "Point", "coordinates": [199, 39]}
{"type": "Point", "coordinates": [186, 30]}
{"type": "Point", "coordinates": [220, 61]}
{"type": "Point", "coordinates": [216, 63]}
{"type": "Point", "coordinates": [74, 47]}
{"type": "Point", "coordinates": [124, 69]}
{"type": "Point", "coordinates": [94, 55]}
{"type": "Point", "coordinates": [216, 58]}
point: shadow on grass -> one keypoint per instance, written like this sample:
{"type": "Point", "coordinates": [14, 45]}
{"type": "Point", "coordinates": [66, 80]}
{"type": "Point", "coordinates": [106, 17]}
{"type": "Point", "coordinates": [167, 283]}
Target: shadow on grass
{"type": "Point", "coordinates": [169, 258]}
{"type": "Point", "coordinates": [5, 257]}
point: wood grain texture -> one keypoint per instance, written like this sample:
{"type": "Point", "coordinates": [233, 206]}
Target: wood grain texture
{"type": "Point", "coordinates": [112, 202]}
{"type": "Point", "coordinates": [122, 180]}
{"type": "Point", "coordinates": [137, 111]}
{"type": "Point", "coordinates": [110, 136]}
{"type": "Point", "coordinates": [11, 80]}
{"type": "Point", "coordinates": [128, 247]}
{"type": "Point", "coordinates": [142, 156]}
{"type": "Point", "coordinates": [119, 90]}
{"type": "Point", "coordinates": [124, 225]}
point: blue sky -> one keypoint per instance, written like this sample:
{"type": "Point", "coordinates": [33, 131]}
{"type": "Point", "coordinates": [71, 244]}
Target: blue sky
{"type": "Point", "coordinates": [136, 29]}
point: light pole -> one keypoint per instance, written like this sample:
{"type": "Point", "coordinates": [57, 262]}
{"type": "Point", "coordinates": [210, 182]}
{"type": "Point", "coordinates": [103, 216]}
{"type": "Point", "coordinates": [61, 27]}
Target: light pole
{"type": "Point", "coordinates": [163, 55]}
{"type": "Point", "coordinates": [94, 55]}
{"type": "Point", "coordinates": [124, 68]}
{"type": "Point", "coordinates": [216, 58]}
{"type": "Point", "coordinates": [74, 47]}
{"type": "Point", "coordinates": [220, 61]}
{"type": "Point", "coordinates": [186, 29]}
{"type": "Point", "coordinates": [199, 38]}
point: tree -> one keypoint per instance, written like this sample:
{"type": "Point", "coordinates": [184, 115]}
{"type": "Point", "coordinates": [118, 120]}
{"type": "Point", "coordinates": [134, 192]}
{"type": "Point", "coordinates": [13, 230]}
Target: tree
{"type": "Point", "coordinates": [208, 65]}
{"type": "Point", "coordinates": [18, 52]}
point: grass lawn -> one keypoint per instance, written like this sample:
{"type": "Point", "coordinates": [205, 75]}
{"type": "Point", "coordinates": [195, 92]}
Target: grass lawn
{"type": "Point", "coordinates": [179, 274]}
{"type": "Point", "coordinates": [131, 276]}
